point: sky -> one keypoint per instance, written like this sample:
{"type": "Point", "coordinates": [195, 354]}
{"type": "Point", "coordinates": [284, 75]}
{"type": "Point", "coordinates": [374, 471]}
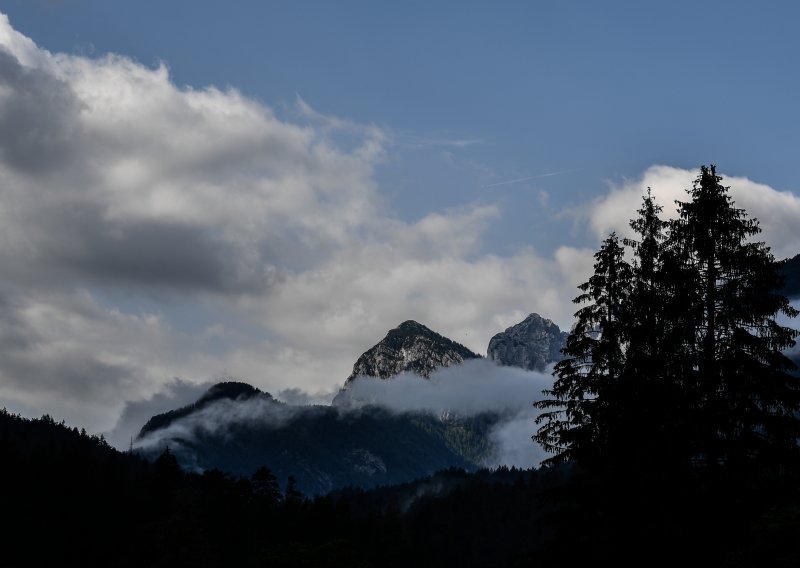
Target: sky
{"type": "Point", "coordinates": [261, 190]}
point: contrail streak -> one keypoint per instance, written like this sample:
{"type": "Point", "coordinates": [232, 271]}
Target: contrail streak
{"type": "Point", "coordinates": [508, 182]}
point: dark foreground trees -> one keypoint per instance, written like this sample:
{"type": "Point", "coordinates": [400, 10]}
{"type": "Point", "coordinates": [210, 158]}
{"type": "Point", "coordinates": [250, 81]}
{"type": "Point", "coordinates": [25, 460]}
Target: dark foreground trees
{"type": "Point", "coordinates": [71, 500]}
{"type": "Point", "coordinates": [675, 398]}
{"type": "Point", "coordinates": [675, 362]}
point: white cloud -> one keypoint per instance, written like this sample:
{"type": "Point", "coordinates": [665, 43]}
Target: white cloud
{"type": "Point", "coordinates": [468, 389]}
{"type": "Point", "coordinates": [111, 155]}
{"type": "Point", "coordinates": [778, 212]}
{"type": "Point", "coordinates": [120, 188]}
{"type": "Point", "coordinates": [175, 394]}
{"type": "Point", "coordinates": [72, 358]}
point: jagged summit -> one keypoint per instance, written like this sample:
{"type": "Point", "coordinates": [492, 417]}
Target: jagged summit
{"type": "Point", "coordinates": [410, 347]}
{"type": "Point", "coordinates": [531, 344]}
{"type": "Point", "coordinates": [232, 390]}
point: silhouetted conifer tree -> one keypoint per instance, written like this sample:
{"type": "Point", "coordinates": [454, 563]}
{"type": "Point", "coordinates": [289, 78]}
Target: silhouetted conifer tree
{"type": "Point", "coordinates": [651, 433]}
{"type": "Point", "coordinates": [266, 486]}
{"type": "Point", "coordinates": [579, 415]}
{"type": "Point", "coordinates": [743, 402]}
{"type": "Point", "coordinates": [675, 360]}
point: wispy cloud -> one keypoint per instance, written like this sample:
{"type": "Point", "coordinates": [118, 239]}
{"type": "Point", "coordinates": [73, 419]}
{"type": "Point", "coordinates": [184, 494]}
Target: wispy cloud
{"type": "Point", "coordinates": [435, 141]}
{"type": "Point", "coordinates": [402, 139]}
{"type": "Point", "coordinates": [520, 180]}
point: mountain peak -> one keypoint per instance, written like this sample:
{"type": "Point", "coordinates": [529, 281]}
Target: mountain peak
{"type": "Point", "coordinates": [409, 347]}
{"type": "Point", "coordinates": [411, 324]}
{"type": "Point", "coordinates": [531, 344]}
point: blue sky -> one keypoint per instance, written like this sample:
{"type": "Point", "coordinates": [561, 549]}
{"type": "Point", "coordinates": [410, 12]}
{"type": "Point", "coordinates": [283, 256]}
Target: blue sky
{"type": "Point", "coordinates": [260, 190]}
{"type": "Point", "coordinates": [597, 90]}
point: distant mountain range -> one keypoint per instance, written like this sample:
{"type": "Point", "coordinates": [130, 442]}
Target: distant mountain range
{"type": "Point", "coordinates": [238, 428]}
{"type": "Point", "coordinates": [413, 348]}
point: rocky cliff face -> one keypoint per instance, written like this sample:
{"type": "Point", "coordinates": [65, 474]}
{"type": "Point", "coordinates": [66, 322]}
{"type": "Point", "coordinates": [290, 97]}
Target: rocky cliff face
{"type": "Point", "coordinates": [531, 344]}
{"type": "Point", "coordinates": [410, 347]}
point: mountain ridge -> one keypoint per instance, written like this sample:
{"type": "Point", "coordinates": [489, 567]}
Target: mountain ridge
{"type": "Point", "coordinates": [231, 390]}
{"type": "Point", "coordinates": [322, 447]}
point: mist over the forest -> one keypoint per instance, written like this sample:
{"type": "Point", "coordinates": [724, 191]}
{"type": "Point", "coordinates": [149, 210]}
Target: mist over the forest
{"type": "Point", "coordinates": [476, 386]}
{"type": "Point", "coordinates": [472, 388]}
{"type": "Point", "coordinates": [218, 417]}
{"type": "Point", "coordinates": [136, 413]}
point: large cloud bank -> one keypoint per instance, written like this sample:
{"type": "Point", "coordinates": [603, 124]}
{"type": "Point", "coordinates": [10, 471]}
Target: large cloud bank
{"type": "Point", "coordinates": [150, 231]}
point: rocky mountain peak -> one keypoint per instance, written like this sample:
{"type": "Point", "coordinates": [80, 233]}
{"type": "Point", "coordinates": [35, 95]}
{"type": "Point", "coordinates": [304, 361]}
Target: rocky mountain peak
{"type": "Point", "coordinates": [410, 347]}
{"type": "Point", "coordinates": [531, 344]}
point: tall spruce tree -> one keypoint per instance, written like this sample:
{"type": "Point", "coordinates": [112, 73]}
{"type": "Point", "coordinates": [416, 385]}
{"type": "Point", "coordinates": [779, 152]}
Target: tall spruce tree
{"type": "Point", "coordinates": [676, 361]}
{"type": "Point", "coordinates": [578, 418]}
{"type": "Point", "coordinates": [648, 435]}
{"type": "Point", "coordinates": [742, 401]}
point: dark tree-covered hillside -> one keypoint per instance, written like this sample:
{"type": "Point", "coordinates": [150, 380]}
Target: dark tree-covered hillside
{"type": "Point", "coordinates": [82, 503]}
